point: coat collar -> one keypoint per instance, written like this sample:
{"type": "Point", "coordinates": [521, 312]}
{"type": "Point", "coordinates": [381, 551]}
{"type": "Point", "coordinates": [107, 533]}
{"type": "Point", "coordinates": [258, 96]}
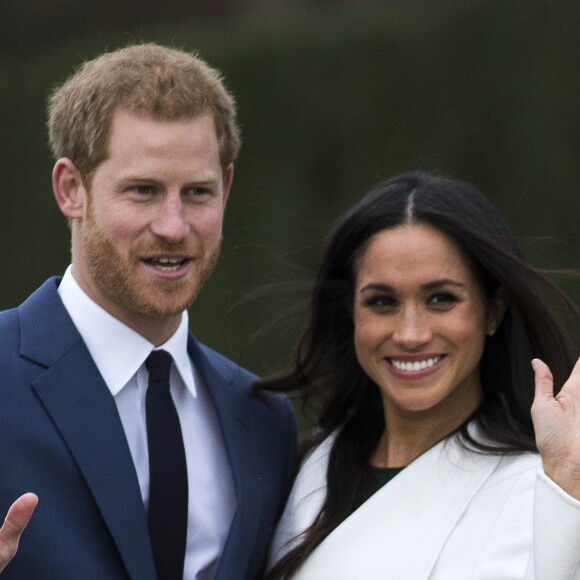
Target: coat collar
{"type": "Point", "coordinates": [234, 409]}
{"type": "Point", "coordinates": [84, 412]}
{"type": "Point", "coordinates": [374, 542]}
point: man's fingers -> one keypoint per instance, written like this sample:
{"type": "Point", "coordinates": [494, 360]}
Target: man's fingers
{"type": "Point", "coordinates": [20, 513]}
{"type": "Point", "coordinates": [16, 521]}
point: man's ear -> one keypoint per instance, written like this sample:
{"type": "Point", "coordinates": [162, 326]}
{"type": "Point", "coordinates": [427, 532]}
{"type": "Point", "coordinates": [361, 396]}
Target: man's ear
{"type": "Point", "coordinates": [497, 308]}
{"type": "Point", "coordinates": [228, 178]}
{"type": "Point", "coordinates": [69, 190]}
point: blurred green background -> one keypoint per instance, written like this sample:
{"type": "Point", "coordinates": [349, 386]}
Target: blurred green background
{"type": "Point", "coordinates": [333, 96]}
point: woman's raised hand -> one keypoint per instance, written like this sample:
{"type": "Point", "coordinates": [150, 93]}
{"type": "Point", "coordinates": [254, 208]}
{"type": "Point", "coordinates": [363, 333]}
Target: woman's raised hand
{"type": "Point", "coordinates": [557, 426]}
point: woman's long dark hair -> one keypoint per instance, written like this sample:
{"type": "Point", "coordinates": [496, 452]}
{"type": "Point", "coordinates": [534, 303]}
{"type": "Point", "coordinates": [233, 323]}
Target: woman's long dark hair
{"type": "Point", "coordinates": [325, 369]}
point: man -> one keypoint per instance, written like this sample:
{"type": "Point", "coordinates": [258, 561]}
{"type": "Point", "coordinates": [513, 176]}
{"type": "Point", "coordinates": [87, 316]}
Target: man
{"type": "Point", "coordinates": [144, 140]}
{"type": "Point", "coordinates": [16, 520]}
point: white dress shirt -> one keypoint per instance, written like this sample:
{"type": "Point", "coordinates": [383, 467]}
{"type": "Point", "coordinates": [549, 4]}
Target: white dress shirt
{"type": "Point", "coordinates": [119, 353]}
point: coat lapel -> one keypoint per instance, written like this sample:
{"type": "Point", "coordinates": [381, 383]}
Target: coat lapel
{"type": "Point", "coordinates": [400, 531]}
{"type": "Point", "coordinates": [235, 418]}
{"type": "Point", "coordinates": [84, 412]}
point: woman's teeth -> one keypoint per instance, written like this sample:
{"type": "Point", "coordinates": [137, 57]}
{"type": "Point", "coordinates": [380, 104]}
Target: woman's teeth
{"type": "Point", "coordinates": [416, 365]}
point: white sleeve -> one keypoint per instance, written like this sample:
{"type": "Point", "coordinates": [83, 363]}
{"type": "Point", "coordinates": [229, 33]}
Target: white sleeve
{"type": "Point", "coordinates": [556, 537]}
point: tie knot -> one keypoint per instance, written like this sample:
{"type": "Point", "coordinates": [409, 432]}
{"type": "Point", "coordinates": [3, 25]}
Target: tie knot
{"type": "Point", "coordinates": [158, 364]}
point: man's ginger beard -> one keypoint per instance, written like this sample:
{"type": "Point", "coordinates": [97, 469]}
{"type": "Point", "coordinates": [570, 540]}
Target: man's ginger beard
{"type": "Point", "coordinates": [124, 281]}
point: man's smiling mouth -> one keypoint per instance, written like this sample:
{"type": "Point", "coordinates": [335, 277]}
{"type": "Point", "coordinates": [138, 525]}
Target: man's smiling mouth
{"type": "Point", "coordinates": [167, 264]}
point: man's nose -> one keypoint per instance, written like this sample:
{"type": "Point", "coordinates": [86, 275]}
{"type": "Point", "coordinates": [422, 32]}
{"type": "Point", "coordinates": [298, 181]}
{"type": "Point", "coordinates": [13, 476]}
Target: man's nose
{"type": "Point", "coordinates": [170, 222]}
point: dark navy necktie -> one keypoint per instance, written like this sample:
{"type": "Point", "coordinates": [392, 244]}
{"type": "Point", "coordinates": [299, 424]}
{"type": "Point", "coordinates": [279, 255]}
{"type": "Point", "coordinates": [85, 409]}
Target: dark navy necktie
{"type": "Point", "coordinates": [167, 511]}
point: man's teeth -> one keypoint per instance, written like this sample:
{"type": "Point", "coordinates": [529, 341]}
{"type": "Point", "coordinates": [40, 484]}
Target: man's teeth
{"type": "Point", "coordinates": [167, 264]}
{"type": "Point", "coordinates": [418, 365]}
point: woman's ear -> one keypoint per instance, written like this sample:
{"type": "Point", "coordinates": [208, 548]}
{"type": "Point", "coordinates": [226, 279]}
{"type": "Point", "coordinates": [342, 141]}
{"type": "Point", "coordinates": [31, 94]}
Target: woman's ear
{"type": "Point", "coordinates": [69, 190]}
{"type": "Point", "coordinates": [497, 308]}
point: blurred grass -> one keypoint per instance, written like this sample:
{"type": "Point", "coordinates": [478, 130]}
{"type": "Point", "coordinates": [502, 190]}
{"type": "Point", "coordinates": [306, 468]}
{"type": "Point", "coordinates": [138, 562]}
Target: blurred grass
{"type": "Point", "coordinates": [331, 98]}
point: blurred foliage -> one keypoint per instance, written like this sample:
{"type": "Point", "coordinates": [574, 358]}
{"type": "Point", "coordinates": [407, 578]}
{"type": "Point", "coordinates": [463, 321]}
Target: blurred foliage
{"type": "Point", "coordinates": [332, 96]}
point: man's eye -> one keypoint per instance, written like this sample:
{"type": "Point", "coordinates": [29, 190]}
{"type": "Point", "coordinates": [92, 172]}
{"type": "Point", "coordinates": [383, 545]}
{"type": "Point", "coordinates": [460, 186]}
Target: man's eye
{"type": "Point", "coordinates": [143, 189]}
{"type": "Point", "coordinates": [197, 191]}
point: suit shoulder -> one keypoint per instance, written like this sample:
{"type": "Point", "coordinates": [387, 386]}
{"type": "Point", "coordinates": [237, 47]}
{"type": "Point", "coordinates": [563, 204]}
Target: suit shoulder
{"type": "Point", "coordinates": [9, 331]}
{"type": "Point", "coordinates": [8, 319]}
{"type": "Point", "coordinates": [244, 380]}
{"type": "Point", "coordinates": [227, 366]}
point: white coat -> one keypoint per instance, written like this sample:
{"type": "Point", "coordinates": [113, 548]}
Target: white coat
{"type": "Point", "coordinates": [452, 514]}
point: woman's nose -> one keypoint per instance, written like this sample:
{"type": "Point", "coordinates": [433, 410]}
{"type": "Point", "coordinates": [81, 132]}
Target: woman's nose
{"type": "Point", "coordinates": [412, 328]}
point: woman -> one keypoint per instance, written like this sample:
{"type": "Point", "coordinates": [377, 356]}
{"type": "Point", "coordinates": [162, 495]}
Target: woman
{"type": "Point", "coordinates": [424, 321]}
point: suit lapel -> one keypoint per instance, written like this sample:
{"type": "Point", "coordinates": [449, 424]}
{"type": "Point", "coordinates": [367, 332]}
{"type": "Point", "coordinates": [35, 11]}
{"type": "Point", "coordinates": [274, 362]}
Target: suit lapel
{"type": "Point", "coordinates": [400, 531]}
{"type": "Point", "coordinates": [235, 418]}
{"type": "Point", "coordinates": [84, 412]}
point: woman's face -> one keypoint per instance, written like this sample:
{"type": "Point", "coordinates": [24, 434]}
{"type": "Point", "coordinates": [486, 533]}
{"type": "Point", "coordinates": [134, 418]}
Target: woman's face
{"type": "Point", "coordinates": [420, 321]}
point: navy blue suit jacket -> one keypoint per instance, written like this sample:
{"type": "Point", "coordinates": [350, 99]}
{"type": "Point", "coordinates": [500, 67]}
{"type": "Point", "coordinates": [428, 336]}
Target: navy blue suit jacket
{"type": "Point", "coordinates": [61, 437]}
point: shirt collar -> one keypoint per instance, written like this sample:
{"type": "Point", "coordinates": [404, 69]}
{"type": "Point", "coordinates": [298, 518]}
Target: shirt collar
{"type": "Point", "coordinates": [119, 351]}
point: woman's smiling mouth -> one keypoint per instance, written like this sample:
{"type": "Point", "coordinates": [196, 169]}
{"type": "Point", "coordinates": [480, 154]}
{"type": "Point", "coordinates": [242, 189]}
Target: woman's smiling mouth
{"type": "Point", "coordinates": [414, 366]}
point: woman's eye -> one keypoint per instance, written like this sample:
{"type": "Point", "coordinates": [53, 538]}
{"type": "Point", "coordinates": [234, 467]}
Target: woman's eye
{"type": "Point", "coordinates": [380, 302]}
{"type": "Point", "coordinates": [442, 299]}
